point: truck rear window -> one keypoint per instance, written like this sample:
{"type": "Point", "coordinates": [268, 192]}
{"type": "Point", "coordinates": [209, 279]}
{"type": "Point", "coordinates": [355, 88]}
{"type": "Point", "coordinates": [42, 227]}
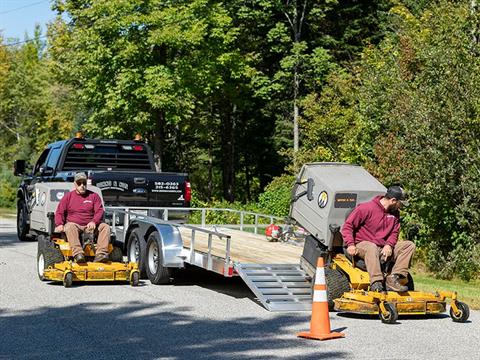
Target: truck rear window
{"type": "Point", "coordinates": [107, 156]}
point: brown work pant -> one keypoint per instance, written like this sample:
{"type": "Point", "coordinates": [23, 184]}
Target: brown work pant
{"type": "Point", "coordinates": [73, 232]}
{"type": "Point", "coordinates": [370, 252]}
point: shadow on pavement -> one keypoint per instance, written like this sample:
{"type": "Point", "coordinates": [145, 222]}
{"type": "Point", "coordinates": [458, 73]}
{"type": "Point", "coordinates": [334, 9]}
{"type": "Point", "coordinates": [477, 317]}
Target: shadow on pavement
{"type": "Point", "coordinates": [139, 331]}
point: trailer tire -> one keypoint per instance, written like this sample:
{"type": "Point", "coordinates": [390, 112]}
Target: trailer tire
{"type": "Point", "coordinates": [47, 255]}
{"type": "Point", "coordinates": [157, 274]}
{"type": "Point", "coordinates": [136, 249]}
{"type": "Point", "coordinates": [337, 284]}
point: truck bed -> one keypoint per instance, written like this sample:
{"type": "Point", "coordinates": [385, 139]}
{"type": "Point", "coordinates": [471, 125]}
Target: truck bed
{"type": "Point", "coordinates": [245, 247]}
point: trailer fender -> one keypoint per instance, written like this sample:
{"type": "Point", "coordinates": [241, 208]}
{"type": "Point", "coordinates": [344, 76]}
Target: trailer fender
{"type": "Point", "coordinates": [170, 237]}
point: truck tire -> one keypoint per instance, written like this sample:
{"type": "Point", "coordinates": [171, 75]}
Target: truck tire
{"type": "Point", "coordinates": [157, 274]}
{"type": "Point", "coordinates": [47, 255]}
{"type": "Point", "coordinates": [337, 284]}
{"type": "Point", "coordinates": [22, 221]}
{"type": "Point", "coordinates": [136, 251]}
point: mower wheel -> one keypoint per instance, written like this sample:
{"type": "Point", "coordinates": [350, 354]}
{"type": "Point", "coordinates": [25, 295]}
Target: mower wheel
{"type": "Point", "coordinates": [68, 279]}
{"type": "Point", "coordinates": [116, 255]}
{"type": "Point", "coordinates": [463, 315]}
{"type": "Point", "coordinates": [391, 316]}
{"type": "Point", "coordinates": [135, 279]}
{"type": "Point", "coordinates": [337, 284]}
{"type": "Point", "coordinates": [136, 248]}
{"type": "Point", "coordinates": [47, 255]}
{"type": "Point", "coordinates": [156, 272]}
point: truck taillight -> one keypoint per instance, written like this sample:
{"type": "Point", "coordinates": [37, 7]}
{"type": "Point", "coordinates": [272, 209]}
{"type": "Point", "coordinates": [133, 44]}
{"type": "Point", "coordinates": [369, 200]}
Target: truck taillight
{"type": "Point", "coordinates": [78, 146]}
{"type": "Point", "coordinates": [188, 191]}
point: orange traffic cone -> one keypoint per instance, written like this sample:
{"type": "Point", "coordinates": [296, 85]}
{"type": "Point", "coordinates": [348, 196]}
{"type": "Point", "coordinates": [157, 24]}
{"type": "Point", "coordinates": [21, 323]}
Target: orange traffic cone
{"type": "Point", "coordinates": [320, 322]}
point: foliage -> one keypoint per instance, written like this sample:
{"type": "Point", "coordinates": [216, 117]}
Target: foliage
{"type": "Point", "coordinates": [276, 198]}
{"type": "Point", "coordinates": [419, 104]}
{"type": "Point", "coordinates": [8, 188]}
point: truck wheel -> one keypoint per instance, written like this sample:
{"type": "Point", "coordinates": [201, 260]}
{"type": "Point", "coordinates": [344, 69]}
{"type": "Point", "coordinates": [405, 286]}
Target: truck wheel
{"type": "Point", "coordinates": [22, 221]}
{"type": "Point", "coordinates": [157, 274]}
{"type": "Point", "coordinates": [47, 255]}
{"type": "Point", "coordinates": [116, 255]}
{"type": "Point", "coordinates": [337, 284]}
{"type": "Point", "coordinates": [136, 251]}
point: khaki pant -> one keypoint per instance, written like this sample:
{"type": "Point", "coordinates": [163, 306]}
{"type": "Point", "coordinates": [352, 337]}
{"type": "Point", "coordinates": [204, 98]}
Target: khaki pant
{"type": "Point", "coordinates": [73, 232]}
{"type": "Point", "coordinates": [370, 252]}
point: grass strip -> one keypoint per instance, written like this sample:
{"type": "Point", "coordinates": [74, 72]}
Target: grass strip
{"type": "Point", "coordinates": [468, 292]}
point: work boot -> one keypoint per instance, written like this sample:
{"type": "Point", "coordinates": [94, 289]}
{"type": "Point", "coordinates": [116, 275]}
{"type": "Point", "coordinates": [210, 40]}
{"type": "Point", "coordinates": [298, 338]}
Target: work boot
{"type": "Point", "coordinates": [79, 259]}
{"type": "Point", "coordinates": [376, 286]}
{"type": "Point", "coordinates": [393, 283]}
{"type": "Point", "coordinates": [103, 258]}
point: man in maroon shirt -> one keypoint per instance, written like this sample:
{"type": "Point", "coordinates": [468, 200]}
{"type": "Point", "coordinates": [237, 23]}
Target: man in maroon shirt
{"type": "Point", "coordinates": [81, 210]}
{"type": "Point", "coordinates": [371, 232]}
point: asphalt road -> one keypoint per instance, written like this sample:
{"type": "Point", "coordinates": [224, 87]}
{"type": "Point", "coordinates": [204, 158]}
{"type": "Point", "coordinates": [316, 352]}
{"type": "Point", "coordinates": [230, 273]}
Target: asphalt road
{"type": "Point", "coordinates": [200, 315]}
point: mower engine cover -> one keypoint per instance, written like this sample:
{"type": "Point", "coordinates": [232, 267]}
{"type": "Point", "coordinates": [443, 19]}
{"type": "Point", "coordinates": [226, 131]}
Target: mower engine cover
{"type": "Point", "coordinates": [45, 199]}
{"type": "Point", "coordinates": [326, 193]}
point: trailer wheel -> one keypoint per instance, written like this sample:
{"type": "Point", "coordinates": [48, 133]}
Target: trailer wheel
{"type": "Point", "coordinates": [156, 273]}
{"type": "Point", "coordinates": [463, 315]}
{"type": "Point", "coordinates": [337, 284]}
{"type": "Point", "coordinates": [47, 255]}
{"type": "Point", "coordinates": [136, 251]}
{"type": "Point", "coordinates": [391, 316]}
{"type": "Point", "coordinates": [22, 224]}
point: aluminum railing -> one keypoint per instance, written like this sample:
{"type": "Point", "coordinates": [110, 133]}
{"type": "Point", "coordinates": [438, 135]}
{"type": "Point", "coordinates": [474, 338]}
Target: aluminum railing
{"type": "Point", "coordinates": [242, 215]}
{"type": "Point", "coordinates": [129, 214]}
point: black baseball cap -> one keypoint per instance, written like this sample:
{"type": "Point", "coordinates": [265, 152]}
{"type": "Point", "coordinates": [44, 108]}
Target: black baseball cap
{"type": "Point", "coordinates": [397, 192]}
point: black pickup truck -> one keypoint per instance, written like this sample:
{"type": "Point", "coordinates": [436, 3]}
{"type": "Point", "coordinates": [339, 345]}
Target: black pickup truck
{"type": "Point", "coordinates": [123, 169]}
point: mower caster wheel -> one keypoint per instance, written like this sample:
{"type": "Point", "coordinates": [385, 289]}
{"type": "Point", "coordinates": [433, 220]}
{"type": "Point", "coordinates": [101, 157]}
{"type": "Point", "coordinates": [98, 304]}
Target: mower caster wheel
{"type": "Point", "coordinates": [68, 280]}
{"type": "Point", "coordinates": [464, 312]}
{"type": "Point", "coordinates": [391, 316]}
{"type": "Point", "coordinates": [135, 278]}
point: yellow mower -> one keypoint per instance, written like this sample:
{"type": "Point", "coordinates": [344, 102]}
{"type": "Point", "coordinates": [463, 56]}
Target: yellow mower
{"type": "Point", "coordinates": [323, 197]}
{"type": "Point", "coordinates": [54, 256]}
{"type": "Point", "coordinates": [55, 262]}
{"type": "Point", "coordinates": [389, 304]}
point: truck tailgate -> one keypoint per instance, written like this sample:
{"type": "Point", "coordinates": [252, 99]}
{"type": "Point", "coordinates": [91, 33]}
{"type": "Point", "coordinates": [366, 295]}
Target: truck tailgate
{"type": "Point", "coordinates": [141, 188]}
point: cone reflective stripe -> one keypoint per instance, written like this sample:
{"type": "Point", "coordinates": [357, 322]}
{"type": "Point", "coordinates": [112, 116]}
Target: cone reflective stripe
{"type": "Point", "coordinates": [320, 321]}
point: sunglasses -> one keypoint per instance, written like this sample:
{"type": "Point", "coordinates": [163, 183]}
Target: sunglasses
{"type": "Point", "coordinates": [81, 182]}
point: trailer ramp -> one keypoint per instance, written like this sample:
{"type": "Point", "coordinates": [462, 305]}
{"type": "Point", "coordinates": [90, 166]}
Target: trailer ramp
{"type": "Point", "coordinates": [279, 287]}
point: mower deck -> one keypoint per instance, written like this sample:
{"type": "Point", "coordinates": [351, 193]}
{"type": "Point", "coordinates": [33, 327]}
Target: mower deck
{"type": "Point", "coordinates": [406, 303]}
{"type": "Point", "coordinates": [69, 271]}
{"type": "Point", "coordinates": [389, 304]}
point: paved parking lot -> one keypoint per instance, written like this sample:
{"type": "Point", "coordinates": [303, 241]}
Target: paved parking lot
{"type": "Point", "coordinates": [200, 315]}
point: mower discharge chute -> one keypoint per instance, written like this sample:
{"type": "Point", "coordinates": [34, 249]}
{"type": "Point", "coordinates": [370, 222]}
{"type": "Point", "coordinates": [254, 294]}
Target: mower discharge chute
{"type": "Point", "coordinates": [322, 198]}
{"type": "Point", "coordinates": [54, 255]}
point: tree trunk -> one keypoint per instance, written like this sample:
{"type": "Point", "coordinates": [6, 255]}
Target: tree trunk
{"type": "Point", "coordinates": [158, 140]}
{"type": "Point", "coordinates": [228, 155]}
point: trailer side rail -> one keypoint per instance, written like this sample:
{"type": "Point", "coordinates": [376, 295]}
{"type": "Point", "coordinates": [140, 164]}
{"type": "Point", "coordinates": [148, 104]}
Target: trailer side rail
{"type": "Point", "coordinates": [208, 261]}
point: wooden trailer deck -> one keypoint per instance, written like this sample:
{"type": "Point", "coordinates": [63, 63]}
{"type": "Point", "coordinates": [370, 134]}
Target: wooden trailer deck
{"type": "Point", "coordinates": [245, 247]}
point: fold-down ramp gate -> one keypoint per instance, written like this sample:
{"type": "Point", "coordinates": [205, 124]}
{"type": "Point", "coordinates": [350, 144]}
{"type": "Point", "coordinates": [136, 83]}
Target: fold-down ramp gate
{"type": "Point", "coordinates": [279, 287]}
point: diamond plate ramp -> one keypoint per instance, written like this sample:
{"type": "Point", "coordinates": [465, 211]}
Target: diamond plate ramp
{"type": "Point", "coordinates": [279, 287]}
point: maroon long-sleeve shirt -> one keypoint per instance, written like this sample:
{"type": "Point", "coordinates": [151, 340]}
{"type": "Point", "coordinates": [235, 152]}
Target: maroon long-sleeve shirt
{"type": "Point", "coordinates": [79, 209]}
{"type": "Point", "coordinates": [371, 222]}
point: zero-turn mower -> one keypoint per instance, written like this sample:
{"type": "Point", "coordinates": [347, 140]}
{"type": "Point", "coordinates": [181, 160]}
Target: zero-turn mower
{"type": "Point", "coordinates": [54, 256]}
{"type": "Point", "coordinates": [323, 197]}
